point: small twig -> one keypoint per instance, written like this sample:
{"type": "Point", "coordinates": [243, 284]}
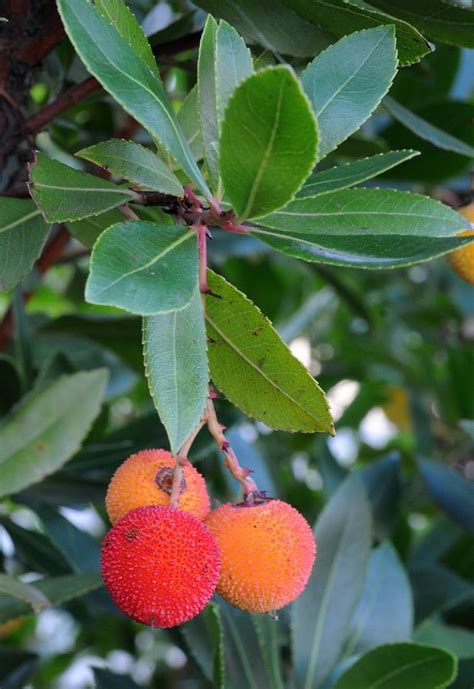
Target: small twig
{"type": "Point", "coordinates": [128, 213]}
{"type": "Point", "coordinates": [202, 250]}
{"type": "Point", "coordinates": [241, 474]}
{"type": "Point", "coordinates": [181, 459]}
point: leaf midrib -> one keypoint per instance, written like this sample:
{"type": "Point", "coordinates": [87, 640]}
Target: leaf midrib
{"type": "Point", "coordinates": [100, 190]}
{"type": "Point", "coordinates": [150, 263]}
{"type": "Point", "coordinates": [399, 670]}
{"type": "Point", "coordinates": [351, 77]}
{"type": "Point", "coordinates": [189, 159]}
{"type": "Point", "coordinates": [260, 372]}
{"type": "Point", "coordinates": [267, 154]}
{"type": "Point", "coordinates": [19, 221]}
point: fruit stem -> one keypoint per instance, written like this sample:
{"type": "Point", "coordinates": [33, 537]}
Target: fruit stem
{"type": "Point", "coordinates": [241, 474]}
{"type": "Point", "coordinates": [181, 459]}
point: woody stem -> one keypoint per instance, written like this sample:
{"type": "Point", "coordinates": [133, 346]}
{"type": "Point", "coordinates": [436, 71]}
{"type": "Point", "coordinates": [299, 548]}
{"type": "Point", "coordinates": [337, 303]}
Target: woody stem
{"type": "Point", "coordinates": [230, 458]}
{"type": "Point", "coordinates": [181, 459]}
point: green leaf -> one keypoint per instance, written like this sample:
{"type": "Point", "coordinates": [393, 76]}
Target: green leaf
{"type": "Point", "coordinates": [364, 228]}
{"type": "Point", "coordinates": [437, 589]}
{"type": "Point", "coordinates": [456, 640]}
{"type": "Point", "coordinates": [34, 550]}
{"type": "Point", "coordinates": [47, 428]}
{"type": "Point", "coordinates": [427, 131]}
{"type": "Point", "coordinates": [113, 60]}
{"type": "Point", "coordinates": [341, 17]}
{"type": "Point", "coordinates": [57, 590]}
{"type": "Point", "coordinates": [174, 347]}
{"type": "Point", "coordinates": [384, 613]}
{"type": "Point", "coordinates": [355, 172]}
{"type": "Point", "coordinates": [117, 12]}
{"type": "Point", "coordinates": [224, 61]}
{"type": "Point", "coordinates": [245, 664]}
{"type": "Point", "coordinates": [204, 638]}
{"type": "Point", "coordinates": [188, 118]}
{"type": "Point", "coordinates": [143, 267]}
{"type": "Point", "coordinates": [88, 230]}
{"type": "Point", "coordinates": [436, 18]}
{"type": "Point", "coordinates": [270, 24]}
{"type": "Point", "coordinates": [23, 233]}
{"type": "Point", "coordinates": [268, 143]}
{"type": "Point", "coordinates": [105, 679]}
{"type": "Point", "coordinates": [135, 163]}
{"type": "Point", "coordinates": [255, 369]}
{"type": "Point", "coordinates": [267, 634]}
{"type": "Point", "coordinates": [80, 550]}
{"type": "Point", "coordinates": [398, 666]}
{"type": "Point", "coordinates": [347, 82]}
{"type": "Point", "coordinates": [62, 193]}
{"type": "Point", "coordinates": [27, 593]}
{"type": "Point", "coordinates": [322, 614]}
{"type": "Point", "coordinates": [453, 493]}
{"type": "Point", "coordinates": [382, 481]}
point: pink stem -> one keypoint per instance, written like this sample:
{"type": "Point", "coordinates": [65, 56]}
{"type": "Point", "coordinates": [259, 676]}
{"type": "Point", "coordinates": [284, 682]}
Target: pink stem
{"type": "Point", "coordinates": [202, 249]}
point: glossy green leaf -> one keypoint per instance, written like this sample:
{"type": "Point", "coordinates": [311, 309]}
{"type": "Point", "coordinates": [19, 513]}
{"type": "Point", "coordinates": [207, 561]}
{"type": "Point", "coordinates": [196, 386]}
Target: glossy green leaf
{"type": "Point", "coordinates": [112, 58]}
{"type": "Point", "coordinates": [267, 633]}
{"type": "Point", "coordinates": [23, 233]}
{"type": "Point", "coordinates": [135, 163]}
{"type": "Point", "coordinates": [347, 82]}
{"type": "Point", "coordinates": [117, 12]}
{"type": "Point", "coordinates": [26, 593]}
{"type": "Point", "coordinates": [204, 638]}
{"type": "Point", "coordinates": [270, 24]}
{"type": "Point", "coordinates": [88, 230]}
{"type": "Point", "coordinates": [255, 369]}
{"type": "Point", "coordinates": [80, 549]}
{"type": "Point", "coordinates": [63, 193]}
{"type": "Point", "coordinates": [321, 615]}
{"type": "Point", "coordinates": [427, 131]}
{"type": "Point", "coordinates": [457, 640]}
{"type": "Point", "coordinates": [355, 172]}
{"type": "Point", "coordinates": [57, 590]}
{"type": "Point", "coordinates": [174, 347]}
{"type": "Point", "coordinates": [435, 18]}
{"type": "Point", "coordinates": [34, 550]}
{"type": "Point", "coordinates": [188, 118]}
{"type": "Point", "coordinates": [47, 428]}
{"type": "Point", "coordinates": [341, 17]}
{"type": "Point", "coordinates": [453, 493]}
{"type": "Point", "coordinates": [245, 664]}
{"type": "Point", "coordinates": [384, 613]}
{"type": "Point", "coordinates": [224, 61]}
{"type": "Point", "coordinates": [383, 483]}
{"type": "Point", "coordinates": [143, 267]}
{"type": "Point", "coordinates": [364, 228]}
{"type": "Point", "coordinates": [398, 666]}
{"type": "Point", "coordinates": [105, 679]}
{"type": "Point", "coordinates": [268, 143]}
{"type": "Point", "coordinates": [360, 250]}
{"type": "Point", "coordinates": [438, 589]}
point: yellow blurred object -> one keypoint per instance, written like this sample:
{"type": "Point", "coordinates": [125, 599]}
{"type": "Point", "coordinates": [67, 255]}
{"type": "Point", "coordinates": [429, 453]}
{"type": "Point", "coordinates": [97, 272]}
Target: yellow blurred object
{"type": "Point", "coordinates": [462, 260]}
{"type": "Point", "coordinates": [397, 408]}
{"type": "Point", "coordinates": [11, 626]}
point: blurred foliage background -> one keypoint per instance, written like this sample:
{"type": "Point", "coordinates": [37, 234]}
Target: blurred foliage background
{"type": "Point", "coordinates": [393, 350]}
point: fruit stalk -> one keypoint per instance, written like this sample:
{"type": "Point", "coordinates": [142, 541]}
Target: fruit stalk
{"type": "Point", "coordinates": [241, 474]}
{"type": "Point", "coordinates": [181, 458]}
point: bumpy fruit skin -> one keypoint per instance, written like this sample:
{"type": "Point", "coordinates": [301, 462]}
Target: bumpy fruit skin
{"type": "Point", "coordinates": [462, 260]}
{"type": "Point", "coordinates": [160, 565]}
{"type": "Point", "coordinates": [145, 479]}
{"type": "Point", "coordinates": [267, 552]}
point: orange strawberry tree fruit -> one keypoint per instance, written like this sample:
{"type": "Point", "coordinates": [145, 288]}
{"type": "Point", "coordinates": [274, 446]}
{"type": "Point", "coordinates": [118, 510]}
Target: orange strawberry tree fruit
{"type": "Point", "coordinates": [257, 158]}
